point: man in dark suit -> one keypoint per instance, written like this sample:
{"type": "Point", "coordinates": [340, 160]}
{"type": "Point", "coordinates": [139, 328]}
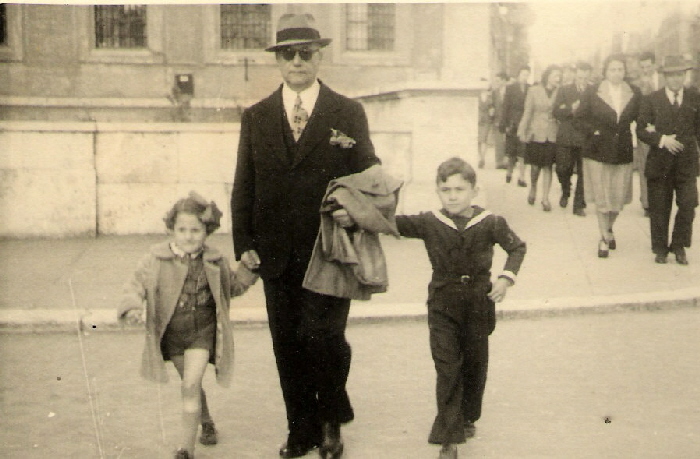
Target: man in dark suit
{"type": "Point", "coordinates": [669, 122]}
{"type": "Point", "coordinates": [285, 161]}
{"type": "Point", "coordinates": [513, 108]}
{"type": "Point", "coordinates": [570, 140]}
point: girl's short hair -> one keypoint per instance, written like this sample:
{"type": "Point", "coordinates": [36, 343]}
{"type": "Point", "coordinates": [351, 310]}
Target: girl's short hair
{"type": "Point", "coordinates": [614, 58]}
{"type": "Point", "coordinates": [194, 204]}
{"type": "Point", "coordinates": [547, 72]}
{"type": "Point", "coordinates": [455, 166]}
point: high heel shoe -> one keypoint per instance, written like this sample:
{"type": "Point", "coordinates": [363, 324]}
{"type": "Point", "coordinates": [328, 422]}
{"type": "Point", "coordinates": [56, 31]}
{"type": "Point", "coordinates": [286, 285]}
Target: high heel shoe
{"type": "Point", "coordinates": [611, 241]}
{"type": "Point", "coordinates": [603, 249]}
{"type": "Point", "coordinates": [547, 207]}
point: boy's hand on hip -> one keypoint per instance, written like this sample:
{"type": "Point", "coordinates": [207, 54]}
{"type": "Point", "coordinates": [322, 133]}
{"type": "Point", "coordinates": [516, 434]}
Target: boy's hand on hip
{"type": "Point", "coordinates": [251, 260]}
{"type": "Point", "coordinates": [499, 289]}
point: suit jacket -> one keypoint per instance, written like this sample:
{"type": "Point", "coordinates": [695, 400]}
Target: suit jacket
{"type": "Point", "coordinates": [277, 196]}
{"type": "Point", "coordinates": [567, 134]}
{"type": "Point", "coordinates": [658, 117]}
{"type": "Point", "coordinates": [537, 123]}
{"type": "Point", "coordinates": [608, 137]}
{"type": "Point", "coordinates": [513, 107]}
{"type": "Point", "coordinates": [646, 85]}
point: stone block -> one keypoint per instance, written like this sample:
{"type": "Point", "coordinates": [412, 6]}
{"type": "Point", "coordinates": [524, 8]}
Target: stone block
{"type": "Point", "coordinates": [136, 157]}
{"type": "Point", "coordinates": [207, 156]}
{"type": "Point", "coordinates": [134, 208]}
{"type": "Point", "coordinates": [46, 150]}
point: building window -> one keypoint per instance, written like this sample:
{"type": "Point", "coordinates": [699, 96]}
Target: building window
{"type": "Point", "coordinates": [245, 26]}
{"type": "Point", "coordinates": [120, 26]}
{"type": "Point", "coordinates": [371, 26]}
{"type": "Point", "coordinates": [3, 24]}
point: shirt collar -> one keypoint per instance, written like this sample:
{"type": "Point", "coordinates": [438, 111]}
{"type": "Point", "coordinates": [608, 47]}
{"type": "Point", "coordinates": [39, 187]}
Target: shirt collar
{"type": "Point", "coordinates": [182, 254]}
{"type": "Point", "coordinates": [669, 94]}
{"type": "Point", "coordinates": [308, 98]}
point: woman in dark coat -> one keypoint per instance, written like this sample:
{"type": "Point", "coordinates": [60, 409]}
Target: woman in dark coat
{"type": "Point", "coordinates": [606, 112]}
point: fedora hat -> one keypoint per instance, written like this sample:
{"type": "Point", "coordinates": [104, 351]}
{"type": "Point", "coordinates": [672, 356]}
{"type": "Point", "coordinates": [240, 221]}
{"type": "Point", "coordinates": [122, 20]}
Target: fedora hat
{"type": "Point", "coordinates": [676, 64]}
{"type": "Point", "coordinates": [297, 29]}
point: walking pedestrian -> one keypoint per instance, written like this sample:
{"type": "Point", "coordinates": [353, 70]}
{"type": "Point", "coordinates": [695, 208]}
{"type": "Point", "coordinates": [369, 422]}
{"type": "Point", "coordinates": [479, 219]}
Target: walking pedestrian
{"type": "Point", "coordinates": [607, 110]}
{"type": "Point", "coordinates": [669, 121]}
{"type": "Point", "coordinates": [499, 138]}
{"type": "Point", "coordinates": [185, 287]}
{"type": "Point", "coordinates": [293, 143]}
{"type": "Point", "coordinates": [487, 113]}
{"type": "Point", "coordinates": [538, 130]}
{"type": "Point", "coordinates": [459, 239]}
{"type": "Point", "coordinates": [513, 107]}
{"type": "Point", "coordinates": [570, 140]}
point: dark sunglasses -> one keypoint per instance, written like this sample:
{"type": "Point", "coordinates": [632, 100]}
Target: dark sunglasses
{"type": "Point", "coordinates": [288, 53]}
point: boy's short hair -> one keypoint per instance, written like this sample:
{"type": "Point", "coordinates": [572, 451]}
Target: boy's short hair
{"type": "Point", "coordinates": [456, 166]}
{"type": "Point", "coordinates": [194, 204]}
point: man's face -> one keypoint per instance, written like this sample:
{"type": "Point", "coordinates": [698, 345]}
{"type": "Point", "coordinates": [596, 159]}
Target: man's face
{"type": "Point", "coordinates": [298, 73]}
{"type": "Point", "coordinates": [647, 67]}
{"type": "Point", "coordinates": [674, 80]}
{"type": "Point", "coordinates": [582, 77]}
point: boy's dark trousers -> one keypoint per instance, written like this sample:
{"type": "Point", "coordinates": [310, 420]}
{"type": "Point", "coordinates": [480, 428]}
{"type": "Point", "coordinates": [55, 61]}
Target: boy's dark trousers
{"type": "Point", "coordinates": [460, 323]}
{"type": "Point", "coordinates": [568, 157]}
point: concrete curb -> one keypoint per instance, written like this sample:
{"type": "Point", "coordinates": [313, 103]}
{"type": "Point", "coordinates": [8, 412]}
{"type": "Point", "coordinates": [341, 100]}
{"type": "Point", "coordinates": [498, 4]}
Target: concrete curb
{"type": "Point", "coordinates": [361, 312]}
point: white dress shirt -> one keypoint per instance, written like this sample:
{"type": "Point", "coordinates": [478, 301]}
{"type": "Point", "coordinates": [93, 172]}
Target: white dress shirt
{"type": "Point", "coordinates": [308, 98]}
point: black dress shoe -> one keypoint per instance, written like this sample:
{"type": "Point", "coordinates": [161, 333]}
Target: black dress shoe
{"type": "Point", "coordinates": [289, 450]}
{"type": "Point", "coordinates": [580, 212]}
{"type": "Point", "coordinates": [332, 444]}
{"type": "Point", "coordinates": [660, 259]}
{"type": "Point", "coordinates": [681, 258]}
{"type": "Point", "coordinates": [509, 178]}
{"type": "Point", "coordinates": [522, 183]}
{"type": "Point", "coordinates": [563, 202]}
{"type": "Point", "coordinates": [182, 454]}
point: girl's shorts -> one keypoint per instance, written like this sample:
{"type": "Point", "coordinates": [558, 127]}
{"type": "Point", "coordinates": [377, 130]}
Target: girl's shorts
{"type": "Point", "coordinates": [189, 329]}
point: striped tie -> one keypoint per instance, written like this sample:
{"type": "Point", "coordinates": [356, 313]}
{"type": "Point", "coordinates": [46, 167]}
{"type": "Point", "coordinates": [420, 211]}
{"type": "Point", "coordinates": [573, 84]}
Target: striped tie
{"type": "Point", "coordinates": [299, 119]}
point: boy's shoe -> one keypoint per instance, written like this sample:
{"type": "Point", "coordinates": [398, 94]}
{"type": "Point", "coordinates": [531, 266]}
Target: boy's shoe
{"type": "Point", "coordinates": [182, 454]}
{"type": "Point", "coordinates": [448, 451]}
{"type": "Point", "coordinates": [469, 429]}
{"type": "Point", "coordinates": [209, 434]}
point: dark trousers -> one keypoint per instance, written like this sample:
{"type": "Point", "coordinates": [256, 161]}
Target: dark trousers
{"type": "Point", "coordinates": [312, 354]}
{"type": "Point", "coordinates": [660, 193]}
{"type": "Point", "coordinates": [567, 158]}
{"type": "Point", "coordinates": [459, 340]}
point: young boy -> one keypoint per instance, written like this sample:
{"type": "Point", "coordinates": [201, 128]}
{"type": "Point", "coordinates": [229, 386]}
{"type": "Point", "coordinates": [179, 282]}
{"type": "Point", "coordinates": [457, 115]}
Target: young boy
{"type": "Point", "coordinates": [459, 239]}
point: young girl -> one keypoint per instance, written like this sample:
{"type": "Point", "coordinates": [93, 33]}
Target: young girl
{"type": "Point", "coordinates": [186, 287]}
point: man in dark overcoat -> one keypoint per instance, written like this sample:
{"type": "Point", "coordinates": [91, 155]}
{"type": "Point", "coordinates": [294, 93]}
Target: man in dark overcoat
{"type": "Point", "coordinates": [669, 122]}
{"type": "Point", "coordinates": [292, 144]}
{"type": "Point", "coordinates": [513, 108]}
{"type": "Point", "coordinates": [570, 140]}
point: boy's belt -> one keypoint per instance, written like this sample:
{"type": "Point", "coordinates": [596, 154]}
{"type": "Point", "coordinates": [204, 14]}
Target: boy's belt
{"type": "Point", "coordinates": [465, 279]}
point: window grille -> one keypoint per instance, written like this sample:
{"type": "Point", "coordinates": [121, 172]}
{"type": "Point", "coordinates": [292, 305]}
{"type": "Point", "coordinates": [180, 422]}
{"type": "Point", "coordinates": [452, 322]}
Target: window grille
{"type": "Point", "coordinates": [245, 26]}
{"type": "Point", "coordinates": [120, 26]}
{"type": "Point", "coordinates": [371, 26]}
{"type": "Point", "coordinates": [3, 24]}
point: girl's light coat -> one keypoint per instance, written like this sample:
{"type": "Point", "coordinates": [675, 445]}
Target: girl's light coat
{"type": "Point", "coordinates": [156, 286]}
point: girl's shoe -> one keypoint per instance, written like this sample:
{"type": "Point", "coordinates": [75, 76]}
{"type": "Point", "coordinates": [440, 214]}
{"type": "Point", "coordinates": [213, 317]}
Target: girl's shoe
{"type": "Point", "coordinates": [547, 207]}
{"type": "Point", "coordinates": [522, 183]}
{"type": "Point", "coordinates": [448, 451]}
{"type": "Point", "coordinates": [183, 454]}
{"type": "Point", "coordinates": [209, 434]}
{"type": "Point", "coordinates": [531, 199]}
{"type": "Point", "coordinates": [603, 249]}
{"type": "Point", "coordinates": [611, 241]}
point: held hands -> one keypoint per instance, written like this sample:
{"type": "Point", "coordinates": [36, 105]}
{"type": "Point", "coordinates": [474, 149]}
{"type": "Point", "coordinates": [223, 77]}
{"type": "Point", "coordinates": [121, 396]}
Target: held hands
{"type": "Point", "coordinates": [498, 291]}
{"type": "Point", "coordinates": [133, 317]}
{"type": "Point", "coordinates": [251, 260]}
{"type": "Point", "coordinates": [343, 218]}
{"type": "Point", "coordinates": [670, 143]}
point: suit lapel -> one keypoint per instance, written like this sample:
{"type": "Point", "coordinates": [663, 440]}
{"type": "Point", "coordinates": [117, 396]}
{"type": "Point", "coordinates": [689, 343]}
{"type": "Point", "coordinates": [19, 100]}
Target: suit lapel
{"type": "Point", "coordinates": [319, 125]}
{"type": "Point", "coordinates": [274, 129]}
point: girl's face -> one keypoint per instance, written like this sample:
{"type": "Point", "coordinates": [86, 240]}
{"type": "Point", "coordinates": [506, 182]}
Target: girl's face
{"type": "Point", "coordinates": [189, 232]}
{"type": "Point", "coordinates": [554, 79]}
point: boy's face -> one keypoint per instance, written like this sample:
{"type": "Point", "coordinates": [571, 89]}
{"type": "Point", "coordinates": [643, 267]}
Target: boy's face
{"type": "Point", "coordinates": [456, 194]}
{"type": "Point", "coordinates": [189, 232]}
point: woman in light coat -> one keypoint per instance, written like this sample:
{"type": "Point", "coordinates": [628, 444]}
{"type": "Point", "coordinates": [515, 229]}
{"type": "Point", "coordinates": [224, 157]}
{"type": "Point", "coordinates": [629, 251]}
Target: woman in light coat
{"type": "Point", "coordinates": [538, 128]}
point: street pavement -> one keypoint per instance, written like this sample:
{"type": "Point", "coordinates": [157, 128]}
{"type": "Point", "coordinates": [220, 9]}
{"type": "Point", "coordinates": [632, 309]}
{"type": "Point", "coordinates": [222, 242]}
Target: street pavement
{"type": "Point", "coordinates": [56, 282]}
{"type": "Point", "coordinates": [620, 385]}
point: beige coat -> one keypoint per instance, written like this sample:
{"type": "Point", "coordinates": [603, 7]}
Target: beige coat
{"type": "Point", "coordinates": [156, 286]}
{"type": "Point", "coordinates": [538, 123]}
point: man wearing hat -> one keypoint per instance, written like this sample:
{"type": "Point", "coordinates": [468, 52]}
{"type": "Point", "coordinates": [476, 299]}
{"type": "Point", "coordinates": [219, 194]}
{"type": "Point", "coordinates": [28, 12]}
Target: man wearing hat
{"type": "Point", "coordinates": [292, 144]}
{"type": "Point", "coordinates": [669, 122]}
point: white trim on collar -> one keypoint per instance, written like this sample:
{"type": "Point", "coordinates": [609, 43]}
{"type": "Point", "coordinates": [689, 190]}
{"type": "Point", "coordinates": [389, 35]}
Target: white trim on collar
{"type": "Point", "coordinates": [446, 220]}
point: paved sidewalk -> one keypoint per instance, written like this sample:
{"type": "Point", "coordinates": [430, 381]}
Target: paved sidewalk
{"type": "Point", "coordinates": [57, 282]}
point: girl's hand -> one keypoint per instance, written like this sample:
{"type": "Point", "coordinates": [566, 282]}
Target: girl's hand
{"type": "Point", "coordinates": [133, 317]}
{"type": "Point", "coordinates": [343, 218]}
{"type": "Point", "coordinates": [498, 292]}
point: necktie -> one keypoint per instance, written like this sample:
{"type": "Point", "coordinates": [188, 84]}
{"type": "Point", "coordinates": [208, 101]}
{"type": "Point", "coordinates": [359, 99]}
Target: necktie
{"type": "Point", "coordinates": [675, 100]}
{"type": "Point", "coordinates": [299, 118]}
